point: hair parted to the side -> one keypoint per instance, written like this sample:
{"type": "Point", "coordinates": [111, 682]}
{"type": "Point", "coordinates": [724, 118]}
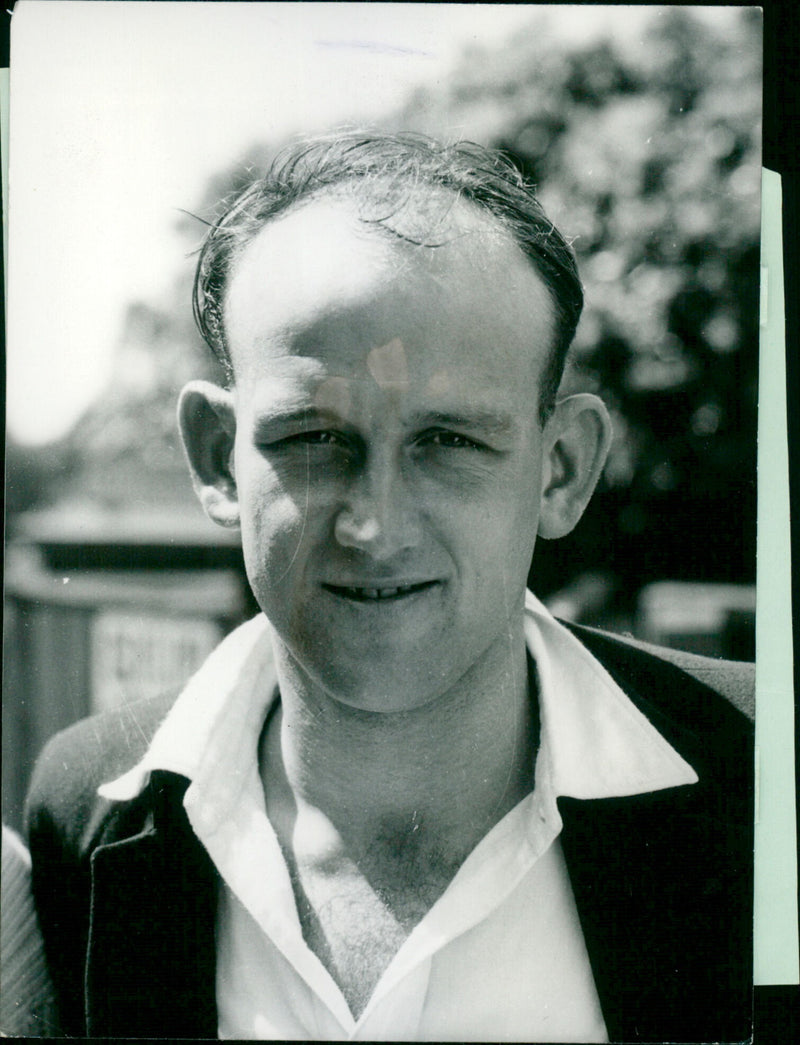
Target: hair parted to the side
{"type": "Point", "coordinates": [394, 170]}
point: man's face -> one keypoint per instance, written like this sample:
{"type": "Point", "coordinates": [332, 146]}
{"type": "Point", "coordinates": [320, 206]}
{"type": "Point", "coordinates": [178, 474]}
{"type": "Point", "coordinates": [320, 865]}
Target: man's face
{"type": "Point", "coordinates": [388, 455]}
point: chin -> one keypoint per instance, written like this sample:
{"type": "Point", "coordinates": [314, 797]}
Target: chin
{"type": "Point", "coordinates": [383, 692]}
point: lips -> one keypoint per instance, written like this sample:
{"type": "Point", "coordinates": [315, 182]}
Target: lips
{"type": "Point", "coordinates": [378, 594]}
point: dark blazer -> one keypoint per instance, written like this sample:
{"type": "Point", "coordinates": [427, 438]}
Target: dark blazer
{"type": "Point", "coordinates": [662, 881]}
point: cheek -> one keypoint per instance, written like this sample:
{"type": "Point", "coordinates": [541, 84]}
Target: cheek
{"type": "Point", "coordinates": [502, 538]}
{"type": "Point", "coordinates": [509, 516]}
{"type": "Point", "coordinates": [274, 525]}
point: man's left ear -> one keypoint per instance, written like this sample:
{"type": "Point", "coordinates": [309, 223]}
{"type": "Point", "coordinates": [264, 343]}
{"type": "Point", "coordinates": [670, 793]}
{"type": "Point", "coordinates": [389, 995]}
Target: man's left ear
{"type": "Point", "coordinates": [576, 436]}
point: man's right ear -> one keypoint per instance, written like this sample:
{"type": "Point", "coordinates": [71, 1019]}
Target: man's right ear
{"type": "Point", "coordinates": [207, 420]}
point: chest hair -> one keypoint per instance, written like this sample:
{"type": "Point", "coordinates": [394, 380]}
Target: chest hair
{"type": "Point", "coordinates": [357, 911]}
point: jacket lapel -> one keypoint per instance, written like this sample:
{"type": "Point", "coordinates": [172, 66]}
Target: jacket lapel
{"type": "Point", "coordinates": [663, 903]}
{"type": "Point", "coordinates": [151, 959]}
{"type": "Point", "coordinates": [663, 880]}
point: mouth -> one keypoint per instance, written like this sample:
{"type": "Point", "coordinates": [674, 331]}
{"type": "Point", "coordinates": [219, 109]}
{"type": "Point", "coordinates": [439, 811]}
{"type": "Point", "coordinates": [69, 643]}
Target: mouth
{"type": "Point", "coordinates": [382, 594]}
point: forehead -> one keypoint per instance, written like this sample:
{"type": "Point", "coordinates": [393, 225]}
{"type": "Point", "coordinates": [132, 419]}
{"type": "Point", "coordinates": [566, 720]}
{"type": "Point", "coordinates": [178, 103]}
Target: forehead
{"type": "Point", "coordinates": [445, 279]}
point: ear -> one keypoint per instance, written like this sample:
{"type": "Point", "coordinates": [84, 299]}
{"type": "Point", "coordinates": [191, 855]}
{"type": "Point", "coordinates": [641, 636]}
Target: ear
{"type": "Point", "coordinates": [576, 436]}
{"type": "Point", "coordinates": [207, 420]}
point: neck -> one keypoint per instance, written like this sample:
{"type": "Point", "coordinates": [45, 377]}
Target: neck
{"type": "Point", "coordinates": [452, 767]}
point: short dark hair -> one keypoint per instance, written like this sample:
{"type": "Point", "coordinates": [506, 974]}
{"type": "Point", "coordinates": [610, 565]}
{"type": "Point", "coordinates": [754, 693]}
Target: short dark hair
{"type": "Point", "coordinates": [391, 169]}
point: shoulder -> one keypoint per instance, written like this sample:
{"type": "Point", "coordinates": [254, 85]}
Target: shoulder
{"type": "Point", "coordinates": [66, 822]}
{"type": "Point", "coordinates": [75, 762]}
{"type": "Point", "coordinates": [660, 670]}
{"type": "Point", "coordinates": [702, 707]}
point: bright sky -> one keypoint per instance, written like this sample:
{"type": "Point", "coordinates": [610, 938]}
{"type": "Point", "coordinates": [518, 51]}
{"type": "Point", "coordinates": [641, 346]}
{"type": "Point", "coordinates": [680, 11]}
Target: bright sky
{"type": "Point", "coordinates": [120, 112]}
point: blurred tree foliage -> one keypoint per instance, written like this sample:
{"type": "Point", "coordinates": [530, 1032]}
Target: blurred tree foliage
{"type": "Point", "coordinates": [646, 153]}
{"type": "Point", "coordinates": [36, 476]}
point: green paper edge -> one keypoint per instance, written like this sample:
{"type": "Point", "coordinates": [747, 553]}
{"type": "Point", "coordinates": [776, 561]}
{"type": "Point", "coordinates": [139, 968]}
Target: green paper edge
{"type": "Point", "coordinates": [776, 930]}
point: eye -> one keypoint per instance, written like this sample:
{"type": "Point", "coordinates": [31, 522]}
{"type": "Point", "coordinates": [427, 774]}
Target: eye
{"type": "Point", "coordinates": [316, 440]}
{"type": "Point", "coordinates": [323, 437]}
{"type": "Point", "coordinates": [449, 440]}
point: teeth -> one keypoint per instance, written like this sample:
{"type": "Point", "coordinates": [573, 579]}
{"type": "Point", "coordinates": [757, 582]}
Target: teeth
{"type": "Point", "coordinates": [381, 593]}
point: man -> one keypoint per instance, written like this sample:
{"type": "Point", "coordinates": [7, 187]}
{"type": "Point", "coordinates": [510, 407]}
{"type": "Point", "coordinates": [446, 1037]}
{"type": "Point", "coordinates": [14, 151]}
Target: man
{"type": "Point", "coordinates": [404, 802]}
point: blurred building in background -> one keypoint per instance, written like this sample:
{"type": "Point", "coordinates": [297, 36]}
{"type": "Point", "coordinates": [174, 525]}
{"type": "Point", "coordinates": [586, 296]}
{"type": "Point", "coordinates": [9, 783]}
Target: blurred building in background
{"type": "Point", "coordinates": [646, 153]}
{"type": "Point", "coordinates": [106, 605]}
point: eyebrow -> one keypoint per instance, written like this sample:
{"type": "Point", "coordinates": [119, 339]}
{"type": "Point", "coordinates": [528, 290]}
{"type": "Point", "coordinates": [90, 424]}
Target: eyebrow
{"type": "Point", "coordinates": [318, 415]}
{"type": "Point", "coordinates": [487, 421]}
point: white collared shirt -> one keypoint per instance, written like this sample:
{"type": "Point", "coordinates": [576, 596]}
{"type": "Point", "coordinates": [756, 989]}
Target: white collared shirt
{"type": "Point", "coordinates": [500, 955]}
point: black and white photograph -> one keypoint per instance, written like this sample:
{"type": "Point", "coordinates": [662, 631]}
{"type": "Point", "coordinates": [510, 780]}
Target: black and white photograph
{"type": "Point", "coordinates": [380, 562]}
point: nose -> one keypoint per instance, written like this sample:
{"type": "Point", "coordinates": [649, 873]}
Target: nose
{"type": "Point", "coordinates": [378, 516]}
